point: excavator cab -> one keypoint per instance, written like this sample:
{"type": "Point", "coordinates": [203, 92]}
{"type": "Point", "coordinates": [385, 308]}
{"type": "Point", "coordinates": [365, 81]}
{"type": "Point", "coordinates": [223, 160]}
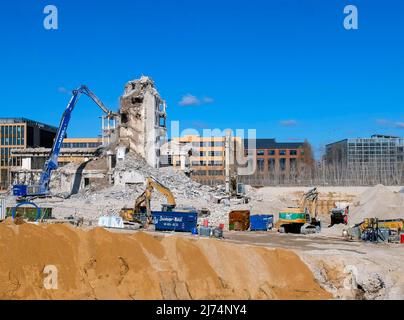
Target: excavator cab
{"type": "Point", "coordinates": [303, 218]}
{"type": "Point", "coordinates": [167, 207]}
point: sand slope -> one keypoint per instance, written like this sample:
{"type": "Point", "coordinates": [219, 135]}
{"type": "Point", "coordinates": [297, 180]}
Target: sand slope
{"type": "Point", "coordinates": [99, 264]}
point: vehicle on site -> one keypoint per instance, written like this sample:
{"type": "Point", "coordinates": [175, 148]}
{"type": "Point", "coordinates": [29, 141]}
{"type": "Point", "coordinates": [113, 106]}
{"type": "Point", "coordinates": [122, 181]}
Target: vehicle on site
{"type": "Point", "coordinates": [339, 214]}
{"type": "Point", "coordinates": [237, 189]}
{"type": "Point", "coordinates": [302, 218]}
{"type": "Point", "coordinates": [142, 212]}
{"type": "Point", "coordinates": [375, 230]}
{"type": "Point", "coordinates": [42, 189]}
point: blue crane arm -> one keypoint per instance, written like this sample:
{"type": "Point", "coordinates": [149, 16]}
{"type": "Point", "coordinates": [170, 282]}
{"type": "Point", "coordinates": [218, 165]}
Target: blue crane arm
{"type": "Point", "coordinates": [52, 162]}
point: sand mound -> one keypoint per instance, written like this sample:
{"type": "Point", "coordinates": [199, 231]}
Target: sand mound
{"type": "Point", "coordinates": [99, 264]}
{"type": "Point", "coordinates": [377, 202]}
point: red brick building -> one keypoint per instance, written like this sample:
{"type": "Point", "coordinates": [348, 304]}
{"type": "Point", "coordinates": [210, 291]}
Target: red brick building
{"type": "Point", "coordinates": [276, 158]}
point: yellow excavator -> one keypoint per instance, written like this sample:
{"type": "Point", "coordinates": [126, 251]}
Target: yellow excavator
{"type": "Point", "coordinates": [302, 218]}
{"type": "Point", "coordinates": [142, 203]}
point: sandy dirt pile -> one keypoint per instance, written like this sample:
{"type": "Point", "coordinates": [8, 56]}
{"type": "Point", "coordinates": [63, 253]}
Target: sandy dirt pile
{"type": "Point", "coordinates": [377, 202]}
{"type": "Point", "coordinates": [99, 264]}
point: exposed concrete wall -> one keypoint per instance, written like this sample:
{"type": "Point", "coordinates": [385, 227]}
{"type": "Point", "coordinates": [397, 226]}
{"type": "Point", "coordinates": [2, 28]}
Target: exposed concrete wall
{"type": "Point", "coordinates": [142, 126]}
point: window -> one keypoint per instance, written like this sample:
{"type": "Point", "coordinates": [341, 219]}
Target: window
{"type": "Point", "coordinates": [22, 135]}
{"type": "Point", "coordinates": [282, 164]}
{"type": "Point", "coordinates": [14, 135]}
{"type": "Point", "coordinates": [215, 172]}
{"type": "Point", "coordinates": [260, 152]}
{"type": "Point", "coordinates": [215, 163]}
{"type": "Point", "coordinates": [271, 164]}
{"type": "Point", "coordinates": [19, 135]}
{"type": "Point", "coordinates": [124, 117]}
{"type": "Point", "coordinates": [260, 165]}
{"type": "Point", "coordinates": [282, 152]}
{"type": "Point", "coordinates": [162, 121]}
{"type": "Point", "coordinates": [293, 164]}
{"type": "Point", "coordinates": [293, 152]}
{"type": "Point", "coordinates": [215, 153]}
{"type": "Point", "coordinates": [200, 173]}
{"type": "Point", "coordinates": [271, 152]}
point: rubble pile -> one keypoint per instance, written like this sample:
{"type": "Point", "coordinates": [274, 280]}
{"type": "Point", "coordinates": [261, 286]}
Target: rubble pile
{"type": "Point", "coordinates": [92, 202]}
{"type": "Point", "coordinates": [377, 202]}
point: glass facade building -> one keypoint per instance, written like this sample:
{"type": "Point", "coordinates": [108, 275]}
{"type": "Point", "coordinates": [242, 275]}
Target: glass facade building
{"type": "Point", "coordinates": [378, 152]}
{"type": "Point", "coordinates": [19, 133]}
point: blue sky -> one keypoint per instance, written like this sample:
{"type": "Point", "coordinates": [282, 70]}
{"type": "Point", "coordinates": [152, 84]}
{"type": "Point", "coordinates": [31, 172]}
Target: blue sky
{"type": "Point", "coordinates": [286, 68]}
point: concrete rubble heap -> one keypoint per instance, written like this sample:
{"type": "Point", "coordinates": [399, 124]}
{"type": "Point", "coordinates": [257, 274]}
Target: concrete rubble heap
{"type": "Point", "coordinates": [97, 200]}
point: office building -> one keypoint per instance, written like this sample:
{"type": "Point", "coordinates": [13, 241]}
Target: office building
{"type": "Point", "coordinates": [208, 157]}
{"type": "Point", "coordinates": [379, 152]}
{"type": "Point", "coordinates": [276, 157]}
{"type": "Point", "coordinates": [20, 133]}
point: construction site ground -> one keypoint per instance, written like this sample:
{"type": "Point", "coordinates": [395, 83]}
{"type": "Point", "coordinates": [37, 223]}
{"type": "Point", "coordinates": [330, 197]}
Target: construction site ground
{"type": "Point", "coordinates": [96, 263]}
{"type": "Point", "coordinates": [349, 269]}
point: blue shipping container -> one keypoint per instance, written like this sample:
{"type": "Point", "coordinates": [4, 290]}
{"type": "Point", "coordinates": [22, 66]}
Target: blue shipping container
{"type": "Point", "coordinates": [261, 222]}
{"type": "Point", "coordinates": [175, 221]}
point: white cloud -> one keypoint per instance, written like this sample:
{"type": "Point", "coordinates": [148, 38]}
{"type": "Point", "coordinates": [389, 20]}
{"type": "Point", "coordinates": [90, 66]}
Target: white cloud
{"type": "Point", "coordinates": [191, 100]}
{"type": "Point", "coordinates": [288, 123]}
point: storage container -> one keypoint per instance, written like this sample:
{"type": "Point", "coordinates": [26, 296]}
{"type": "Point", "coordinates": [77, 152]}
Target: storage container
{"type": "Point", "coordinates": [262, 222]}
{"type": "Point", "coordinates": [205, 231]}
{"type": "Point", "coordinates": [239, 220]}
{"type": "Point", "coordinates": [174, 221]}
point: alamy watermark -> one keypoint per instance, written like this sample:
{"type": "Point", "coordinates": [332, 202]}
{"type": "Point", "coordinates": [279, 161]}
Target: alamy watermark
{"type": "Point", "coordinates": [50, 21]}
{"type": "Point", "coordinates": [351, 18]}
{"type": "Point", "coordinates": [50, 281]}
{"type": "Point", "coordinates": [245, 162]}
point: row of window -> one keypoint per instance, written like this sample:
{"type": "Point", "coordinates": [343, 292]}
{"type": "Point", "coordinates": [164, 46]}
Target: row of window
{"type": "Point", "coordinates": [208, 144]}
{"type": "Point", "coordinates": [211, 153]}
{"type": "Point", "coordinates": [6, 160]}
{"type": "Point", "coordinates": [272, 164]}
{"type": "Point", "coordinates": [12, 135]}
{"type": "Point", "coordinates": [204, 163]}
{"type": "Point", "coordinates": [379, 160]}
{"type": "Point", "coordinates": [373, 144]}
{"type": "Point", "coordinates": [69, 145]}
{"type": "Point", "coordinates": [208, 173]}
{"type": "Point", "coordinates": [272, 152]}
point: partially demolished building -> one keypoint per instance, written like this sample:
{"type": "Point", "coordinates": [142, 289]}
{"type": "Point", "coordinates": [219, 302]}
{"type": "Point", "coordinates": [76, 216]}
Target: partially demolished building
{"type": "Point", "coordinates": [141, 128]}
{"type": "Point", "coordinates": [142, 123]}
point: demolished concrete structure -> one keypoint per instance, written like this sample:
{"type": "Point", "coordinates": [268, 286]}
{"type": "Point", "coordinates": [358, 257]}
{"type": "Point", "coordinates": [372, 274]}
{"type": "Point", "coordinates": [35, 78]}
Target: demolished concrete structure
{"type": "Point", "coordinates": [141, 128]}
{"type": "Point", "coordinates": [142, 125]}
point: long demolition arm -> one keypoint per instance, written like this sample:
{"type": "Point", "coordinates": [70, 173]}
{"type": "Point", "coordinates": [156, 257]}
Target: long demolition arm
{"type": "Point", "coordinates": [52, 162]}
{"type": "Point", "coordinates": [154, 183]}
